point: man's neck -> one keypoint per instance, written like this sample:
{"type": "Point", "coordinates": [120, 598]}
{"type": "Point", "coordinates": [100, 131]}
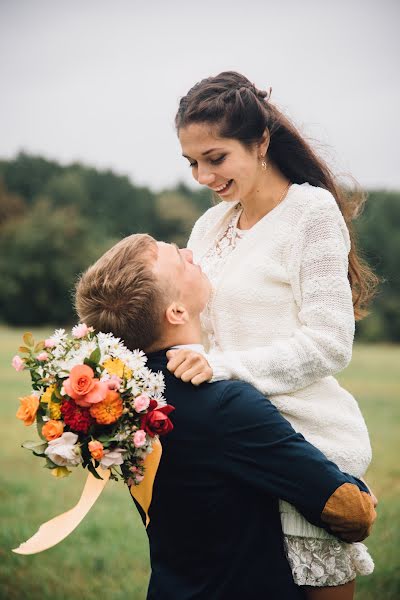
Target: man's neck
{"type": "Point", "coordinates": [189, 334]}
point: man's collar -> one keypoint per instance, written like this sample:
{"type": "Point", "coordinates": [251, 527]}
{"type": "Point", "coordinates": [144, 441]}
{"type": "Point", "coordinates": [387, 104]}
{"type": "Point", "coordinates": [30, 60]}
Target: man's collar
{"type": "Point", "coordinates": [196, 347]}
{"type": "Point", "coordinates": [161, 353]}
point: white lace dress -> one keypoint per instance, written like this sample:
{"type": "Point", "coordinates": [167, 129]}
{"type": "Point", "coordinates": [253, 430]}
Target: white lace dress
{"type": "Point", "coordinates": [324, 561]}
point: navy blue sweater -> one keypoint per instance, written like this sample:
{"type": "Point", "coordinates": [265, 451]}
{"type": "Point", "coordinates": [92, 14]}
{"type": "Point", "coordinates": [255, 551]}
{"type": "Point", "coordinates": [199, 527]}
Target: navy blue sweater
{"type": "Point", "coordinates": [215, 531]}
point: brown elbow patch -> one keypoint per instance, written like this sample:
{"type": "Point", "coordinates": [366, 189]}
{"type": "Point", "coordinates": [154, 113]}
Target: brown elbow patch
{"type": "Point", "coordinates": [349, 512]}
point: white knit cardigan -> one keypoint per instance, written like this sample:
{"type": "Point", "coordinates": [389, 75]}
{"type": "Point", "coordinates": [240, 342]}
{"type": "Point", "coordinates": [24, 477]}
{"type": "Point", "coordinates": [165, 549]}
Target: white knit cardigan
{"type": "Point", "coordinates": [283, 317]}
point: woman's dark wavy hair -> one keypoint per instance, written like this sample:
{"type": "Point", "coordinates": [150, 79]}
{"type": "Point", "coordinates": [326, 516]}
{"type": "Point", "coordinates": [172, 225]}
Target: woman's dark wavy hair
{"type": "Point", "coordinates": [242, 112]}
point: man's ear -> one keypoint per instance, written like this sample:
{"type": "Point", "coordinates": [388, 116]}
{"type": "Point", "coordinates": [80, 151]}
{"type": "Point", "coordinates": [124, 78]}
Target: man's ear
{"type": "Point", "coordinates": [176, 314]}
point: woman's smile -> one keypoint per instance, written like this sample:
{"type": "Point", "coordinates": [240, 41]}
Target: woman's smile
{"type": "Point", "coordinates": [224, 188]}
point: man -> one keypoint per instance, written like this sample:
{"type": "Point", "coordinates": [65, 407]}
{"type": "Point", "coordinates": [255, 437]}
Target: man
{"type": "Point", "coordinates": [214, 529]}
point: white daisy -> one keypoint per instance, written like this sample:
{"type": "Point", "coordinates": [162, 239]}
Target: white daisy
{"type": "Point", "coordinates": [134, 387]}
{"type": "Point", "coordinates": [59, 336]}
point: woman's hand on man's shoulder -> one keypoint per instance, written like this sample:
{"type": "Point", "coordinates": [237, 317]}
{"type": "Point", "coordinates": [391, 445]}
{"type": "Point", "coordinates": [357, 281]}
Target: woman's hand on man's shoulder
{"type": "Point", "coordinates": [189, 365]}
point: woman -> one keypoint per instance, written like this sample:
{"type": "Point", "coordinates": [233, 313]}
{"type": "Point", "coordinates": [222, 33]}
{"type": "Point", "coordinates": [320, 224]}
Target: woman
{"type": "Point", "coordinates": [287, 285]}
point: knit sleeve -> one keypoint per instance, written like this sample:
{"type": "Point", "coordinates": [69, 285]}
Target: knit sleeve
{"type": "Point", "coordinates": [322, 343]}
{"type": "Point", "coordinates": [207, 221]}
{"type": "Point", "coordinates": [202, 226]}
{"type": "Point", "coordinates": [198, 231]}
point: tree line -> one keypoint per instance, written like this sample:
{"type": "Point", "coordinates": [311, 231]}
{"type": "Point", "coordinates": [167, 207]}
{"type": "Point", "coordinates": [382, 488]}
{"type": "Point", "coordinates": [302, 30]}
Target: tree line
{"type": "Point", "coordinates": [55, 220]}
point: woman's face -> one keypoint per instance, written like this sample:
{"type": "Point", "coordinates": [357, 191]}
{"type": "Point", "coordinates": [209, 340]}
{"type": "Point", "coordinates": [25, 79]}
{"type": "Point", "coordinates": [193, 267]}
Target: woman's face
{"type": "Point", "coordinates": [224, 165]}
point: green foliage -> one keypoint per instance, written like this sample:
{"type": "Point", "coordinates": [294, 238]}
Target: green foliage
{"type": "Point", "coordinates": [26, 175]}
{"type": "Point", "coordinates": [41, 254]}
{"type": "Point", "coordinates": [55, 220]}
{"type": "Point", "coordinates": [67, 189]}
{"type": "Point", "coordinates": [115, 205]}
{"type": "Point", "coordinates": [11, 205]}
{"type": "Point", "coordinates": [379, 234]}
{"type": "Point", "coordinates": [175, 216]}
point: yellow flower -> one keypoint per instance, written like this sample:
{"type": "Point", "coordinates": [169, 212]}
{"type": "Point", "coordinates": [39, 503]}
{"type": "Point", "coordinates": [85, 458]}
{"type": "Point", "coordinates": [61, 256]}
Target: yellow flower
{"type": "Point", "coordinates": [55, 410]}
{"type": "Point", "coordinates": [60, 472]}
{"type": "Point", "coordinates": [115, 366]}
{"type": "Point", "coordinates": [54, 407]}
{"type": "Point", "coordinates": [46, 397]}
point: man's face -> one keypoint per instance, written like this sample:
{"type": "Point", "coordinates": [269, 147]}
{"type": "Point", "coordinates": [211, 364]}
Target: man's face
{"type": "Point", "coordinates": [177, 270]}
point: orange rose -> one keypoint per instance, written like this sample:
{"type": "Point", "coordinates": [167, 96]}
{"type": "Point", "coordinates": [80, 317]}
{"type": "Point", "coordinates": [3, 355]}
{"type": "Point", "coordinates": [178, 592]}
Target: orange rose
{"type": "Point", "coordinates": [28, 409]}
{"type": "Point", "coordinates": [83, 387]}
{"type": "Point", "coordinates": [52, 430]}
{"type": "Point", "coordinates": [96, 449]}
{"type": "Point", "coordinates": [108, 410]}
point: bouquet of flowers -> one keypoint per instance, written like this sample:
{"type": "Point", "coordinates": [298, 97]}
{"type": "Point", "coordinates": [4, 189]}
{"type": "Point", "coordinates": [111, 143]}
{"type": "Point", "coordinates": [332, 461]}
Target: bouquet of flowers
{"type": "Point", "coordinates": [95, 403]}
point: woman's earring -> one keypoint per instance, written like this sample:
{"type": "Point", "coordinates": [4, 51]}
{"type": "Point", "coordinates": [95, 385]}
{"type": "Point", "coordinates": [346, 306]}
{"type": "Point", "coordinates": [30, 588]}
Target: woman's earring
{"type": "Point", "coordinates": [263, 164]}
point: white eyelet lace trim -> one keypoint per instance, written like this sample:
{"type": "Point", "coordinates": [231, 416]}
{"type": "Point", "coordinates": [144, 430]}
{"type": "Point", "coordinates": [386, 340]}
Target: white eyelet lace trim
{"type": "Point", "coordinates": [322, 563]}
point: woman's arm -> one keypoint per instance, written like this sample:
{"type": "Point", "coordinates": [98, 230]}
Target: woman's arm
{"type": "Point", "coordinates": [322, 344]}
{"type": "Point", "coordinates": [261, 450]}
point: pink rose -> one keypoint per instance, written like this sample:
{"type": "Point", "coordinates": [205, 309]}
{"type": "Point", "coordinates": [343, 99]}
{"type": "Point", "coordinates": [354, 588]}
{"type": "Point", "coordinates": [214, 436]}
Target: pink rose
{"type": "Point", "coordinates": [49, 343]}
{"type": "Point", "coordinates": [114, 382]}
{"type": "Point", "coordinates": [139, 438]}
{"type": "Point", "coordinates": [79, 331]}
{"type": "Point", "coordinates": [42, 356]}
{"type": "Point", "coordinates": [135, 480]}
{"type": "Point", "coordinates": [141, 403]}
{"type": "Point", "coordinates": [18, 363]}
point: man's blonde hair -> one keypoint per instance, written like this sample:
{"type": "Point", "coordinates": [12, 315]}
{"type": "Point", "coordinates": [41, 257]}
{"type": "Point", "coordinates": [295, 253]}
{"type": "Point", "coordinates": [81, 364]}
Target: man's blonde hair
{"type": "Point", "coordinates": [121, 295]}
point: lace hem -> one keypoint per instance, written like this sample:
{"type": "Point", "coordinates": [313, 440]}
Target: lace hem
{"type": "Point", "coordinates": [323, 563]}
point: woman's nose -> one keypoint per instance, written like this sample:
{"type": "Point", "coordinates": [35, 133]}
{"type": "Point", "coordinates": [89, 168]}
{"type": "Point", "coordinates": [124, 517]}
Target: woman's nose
{"type": "Point", "coordinates": [204, 176]}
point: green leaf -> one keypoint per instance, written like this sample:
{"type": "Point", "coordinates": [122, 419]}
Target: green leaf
{"type": "Point", "coordinates": [105, 438]}
{"type": "Point", "coordinates": [95, 356]}
{"type": "Point", "coordinates": [34, 376]}
{"type": "Point", "coordinates": [49, 464]}
{"type": "Point", "coordinates": [36, 447]}
{"type": "Point", "coordinates": [93, 471]}
{"type": "Point", "coordinates": [90, 364]}
{"type": "Point", "coordinates": [28, 339]}
{"type": "Point", "coordinates": [56, 397]}
{"type": "Point", "coordinates": [40, 422]}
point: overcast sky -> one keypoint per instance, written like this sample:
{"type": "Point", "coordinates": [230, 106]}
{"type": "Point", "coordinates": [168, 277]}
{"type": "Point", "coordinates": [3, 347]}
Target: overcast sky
{"type": "Point", "coordinates": [99, 81]}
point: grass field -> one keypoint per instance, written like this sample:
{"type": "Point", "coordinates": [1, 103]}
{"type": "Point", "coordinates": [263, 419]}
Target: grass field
{"type": "Point", "coordinates": [107, 556]}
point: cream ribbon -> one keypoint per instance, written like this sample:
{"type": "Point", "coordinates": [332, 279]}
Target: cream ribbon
{"type": "Point", "coordinates": [54, 531]}
{"type": "Point", "coordinates": [57, 529]}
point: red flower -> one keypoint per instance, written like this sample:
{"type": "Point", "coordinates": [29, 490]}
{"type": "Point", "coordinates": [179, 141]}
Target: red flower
{"type": "Point", "coordinates": [156, 421]}
{"type": "Point", "coordinates": [76, 417]}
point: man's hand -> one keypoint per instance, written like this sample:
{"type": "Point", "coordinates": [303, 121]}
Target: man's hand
{"type": "Point", "coordinates": [373, 497]}
{"type": "Point", "coordinates": [189, 365]}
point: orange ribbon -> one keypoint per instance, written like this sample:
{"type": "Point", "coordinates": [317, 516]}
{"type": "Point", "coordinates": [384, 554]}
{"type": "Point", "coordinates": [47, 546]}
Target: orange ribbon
{"type": "Point", "coordinates": [143, 492]}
